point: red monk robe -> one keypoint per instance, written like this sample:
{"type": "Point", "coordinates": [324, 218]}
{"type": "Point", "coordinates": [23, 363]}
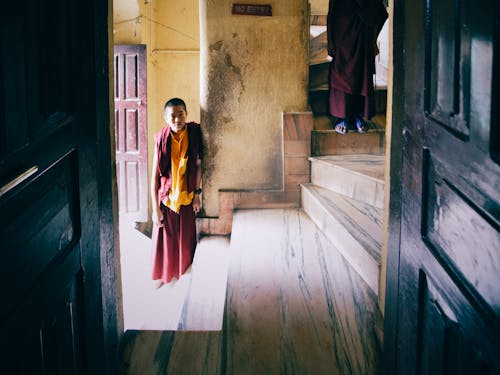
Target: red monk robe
{"type": "Point", "coordinates": [352, 29]}
{"type": "Point", "coordinates": [174, 242]}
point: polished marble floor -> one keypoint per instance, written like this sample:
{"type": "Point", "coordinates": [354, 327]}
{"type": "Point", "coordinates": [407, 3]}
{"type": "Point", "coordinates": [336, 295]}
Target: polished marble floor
{"type": "Point", "coordinates": [293, 306]}
{"type": "Point", "coordinates": [194, 301]}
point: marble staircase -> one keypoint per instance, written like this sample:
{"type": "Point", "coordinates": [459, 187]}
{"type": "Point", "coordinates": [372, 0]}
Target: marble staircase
{"type": "Point", "coordinates": [324, 139]}
{"type": "Point", "coordinates": [345, 199]}
{"type": "Point", "coordinates": [345, 196]}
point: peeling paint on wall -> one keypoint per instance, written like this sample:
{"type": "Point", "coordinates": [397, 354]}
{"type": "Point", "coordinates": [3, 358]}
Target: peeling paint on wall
{"type": "Point", "coordinates": [254, 69]}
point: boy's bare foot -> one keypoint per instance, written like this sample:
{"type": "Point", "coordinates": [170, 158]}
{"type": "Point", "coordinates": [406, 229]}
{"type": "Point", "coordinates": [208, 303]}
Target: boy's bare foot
{"type": "Point", "coordinates": [159, 284]}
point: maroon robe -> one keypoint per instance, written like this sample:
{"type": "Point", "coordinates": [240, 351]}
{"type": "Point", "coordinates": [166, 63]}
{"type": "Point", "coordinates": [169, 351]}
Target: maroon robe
{"type": "Point", "coordinates": [174, 242]}
{"type": "Point", "coordinates": [352, 29]}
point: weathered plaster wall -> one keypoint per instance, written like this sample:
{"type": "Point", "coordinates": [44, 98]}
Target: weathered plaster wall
{"type": "Point", "coordinates": [252, 70]}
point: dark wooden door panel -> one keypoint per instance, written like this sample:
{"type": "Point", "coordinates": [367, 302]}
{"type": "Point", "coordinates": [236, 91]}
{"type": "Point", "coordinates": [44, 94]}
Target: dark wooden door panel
{"type": "Point", "coordinates": [460, 233]}
{"type": "Point", "coordinates": [448, 64]}
{"type": "Point", "coordinates": [48, 342]}
{"type": "Point", "coordinates": [55, 201]}
{"type": "Point", "coordinates": [39, 65]}
{"type": "Point", "coordinates": [453, 337]}
{"type": "Point", "coordinates": [448, 302]}
{"type": "Point", "coordinates": [44, 228]}
{"type": "Point", "coordinates": [131, 130]}
{"type": "Point", "coordinates": [13, 107]}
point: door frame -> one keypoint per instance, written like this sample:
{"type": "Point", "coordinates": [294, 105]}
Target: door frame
{"type": "Point", "coordinates": [394, 153]}
{"type": "Point", "coordinates": [112, 311]}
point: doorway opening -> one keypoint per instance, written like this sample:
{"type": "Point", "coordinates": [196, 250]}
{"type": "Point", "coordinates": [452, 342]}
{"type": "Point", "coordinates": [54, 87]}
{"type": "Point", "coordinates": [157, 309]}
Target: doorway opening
{"type": "Point", "coordinates": [156, 50]}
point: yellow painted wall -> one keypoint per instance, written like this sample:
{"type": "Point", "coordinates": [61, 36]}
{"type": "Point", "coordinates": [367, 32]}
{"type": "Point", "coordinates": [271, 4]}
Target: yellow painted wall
{"type": "Point", "coordinates": [319, 7]}
{"type": "Point", "coordinates": [127, 22]}
{"type": "Point", "coordinates": [170, 30]}
{"type": "Point", "coordinates": [253, 69]}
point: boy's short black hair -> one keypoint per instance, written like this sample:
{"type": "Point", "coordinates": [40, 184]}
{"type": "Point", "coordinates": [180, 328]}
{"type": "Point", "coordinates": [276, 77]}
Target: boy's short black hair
{"type": "Point", "coordinates": [174, 102]}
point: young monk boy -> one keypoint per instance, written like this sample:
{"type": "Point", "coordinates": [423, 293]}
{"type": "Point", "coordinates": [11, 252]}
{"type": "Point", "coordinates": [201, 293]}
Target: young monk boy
{"type": "Point", "coordinates": [175, 192]}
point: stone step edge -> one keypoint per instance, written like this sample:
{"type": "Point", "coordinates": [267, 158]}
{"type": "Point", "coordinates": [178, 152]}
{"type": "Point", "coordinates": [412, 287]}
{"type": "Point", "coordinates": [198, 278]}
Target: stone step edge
{"type": "Point", "coordinates": [370, 258]}
{"type": "Point", "coordinates": [333, 132]}
{"type": "Point", "coordinates": [324, 87]}
{"type": "Point", "coordinates": [374, 251]}
{"type": "Point", "coordinates": [366, 189]}
{"type": "Point", "coordinates": [328, 164]}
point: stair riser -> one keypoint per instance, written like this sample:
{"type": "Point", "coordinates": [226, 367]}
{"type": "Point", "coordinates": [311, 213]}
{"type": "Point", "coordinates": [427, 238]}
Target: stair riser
{"type": "Point", "coordinates": [318, 101]}
{"type": "Point", "coordinates": [319, 75]}
{"type": "Point", "coordinates": [351, 249]}
{"type": "Point", "coordinates": [331, 143]}
{"type": "Point", "coordinates": [352, 185]}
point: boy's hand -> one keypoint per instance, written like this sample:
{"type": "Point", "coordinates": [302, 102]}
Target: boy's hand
{"type": "Point", "coordinates": [196, 203]}
{"type": "Point", "coordinates": [157, 217]}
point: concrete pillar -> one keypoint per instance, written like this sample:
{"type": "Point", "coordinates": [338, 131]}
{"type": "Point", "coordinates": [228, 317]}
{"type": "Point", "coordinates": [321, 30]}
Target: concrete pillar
{"type": "Point", "coordinates": [252, 69]}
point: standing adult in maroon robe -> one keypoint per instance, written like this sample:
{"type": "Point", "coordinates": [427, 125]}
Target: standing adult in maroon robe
{"type": "Point", "coordinates": [352, 28]}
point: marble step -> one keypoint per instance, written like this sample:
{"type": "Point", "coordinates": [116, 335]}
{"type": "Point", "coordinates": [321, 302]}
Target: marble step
{"type": "Point", "coordinates": [329, 142]}
{"type": "Point", "coordinates": [355, 228]}
{"type": "Point", "coordinates": [194, 301]}
{"type": "Point", "coordinates": [203, 308]}
{"type": "Point", "coordinates": [318, 75]}
{"type": "Point", "coordinates": [172, 352]}
{"type": "Point", "coordinates": [323, 122]}
{"type": "Point", "coordinates": [294, 304]}
{"type": "Point", "coordinates": [319, 92]}
{"type": "Point", "coordinates": [318, 102]}
{"type": "Point", "coordinates": [360, 177]}
{"type": "Point", "coordinates": [318, 52]}
{"type": "Point", "coordinates": [327, 122]}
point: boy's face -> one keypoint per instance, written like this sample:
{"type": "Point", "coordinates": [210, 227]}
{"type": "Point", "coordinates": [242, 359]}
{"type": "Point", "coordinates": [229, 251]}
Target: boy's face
{"type": "Point", "coordinates": [176, 117]}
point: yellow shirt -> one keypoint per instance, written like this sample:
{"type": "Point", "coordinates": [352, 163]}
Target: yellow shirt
{"type": "Point", "coordinates": [178, 195]}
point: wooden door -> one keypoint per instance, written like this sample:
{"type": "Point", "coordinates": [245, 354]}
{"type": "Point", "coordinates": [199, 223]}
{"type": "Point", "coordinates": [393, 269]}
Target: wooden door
{"type": "Point", "coordinates": [444, 317]}
{"type": "Point", "coordinates": [131, 130]}
{"type": "Point", "coordinates": [55, 191]}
